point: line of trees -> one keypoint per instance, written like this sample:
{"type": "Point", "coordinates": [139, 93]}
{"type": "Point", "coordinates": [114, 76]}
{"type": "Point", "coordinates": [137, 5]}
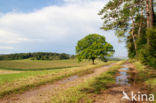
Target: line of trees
{"type": "Point", "coordinates": [135, 21]}
{"type": "Point", "coordinates": [36, 56]}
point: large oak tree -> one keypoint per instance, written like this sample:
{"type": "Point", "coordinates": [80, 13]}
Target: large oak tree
{"type": "Point", "coordinates": [93, 46]}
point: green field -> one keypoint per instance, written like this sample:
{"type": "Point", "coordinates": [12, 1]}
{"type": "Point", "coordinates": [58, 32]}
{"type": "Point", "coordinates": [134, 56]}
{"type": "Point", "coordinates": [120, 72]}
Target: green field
{"type": "Point", "coordinates": [27, 64]}
{"type": "Point", "coordinates": [20, 75]}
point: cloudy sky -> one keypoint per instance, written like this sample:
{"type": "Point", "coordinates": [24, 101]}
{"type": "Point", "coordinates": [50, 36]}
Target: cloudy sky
{"type": "Point", "coordinates": [51, 25]}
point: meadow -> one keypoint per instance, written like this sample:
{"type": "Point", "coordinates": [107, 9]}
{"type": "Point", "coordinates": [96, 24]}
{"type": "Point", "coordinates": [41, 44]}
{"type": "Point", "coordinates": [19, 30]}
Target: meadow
{"type": "Point", "coordinates": [27, 64]}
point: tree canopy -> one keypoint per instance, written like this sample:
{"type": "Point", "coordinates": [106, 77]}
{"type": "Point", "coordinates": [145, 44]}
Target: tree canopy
{"type": "Point", "coordinates": [93, 46]}
{"type": "Point", "coordinates": [135, 21]}
{"type": "Point", "coordinates": [36, 56]}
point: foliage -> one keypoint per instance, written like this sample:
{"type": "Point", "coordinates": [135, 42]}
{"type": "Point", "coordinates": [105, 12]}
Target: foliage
{"type": "Point", "coordinates": [93, 46]}
{"type": "Point", "coordinates": [117, 14]}
{"type": "Point", "coordinates": [134, 21]}
{"type": "Point", "coordinates": [148, 53]}
{"type": "Point", "coordinates": [130, 46]}
{"type": "Point", "coordinates": [35, 56]}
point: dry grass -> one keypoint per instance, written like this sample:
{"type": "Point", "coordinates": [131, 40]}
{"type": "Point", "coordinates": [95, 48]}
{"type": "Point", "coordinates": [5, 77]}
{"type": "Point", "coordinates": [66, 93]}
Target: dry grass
{"type": "Point", "coordinates": [9, 72]}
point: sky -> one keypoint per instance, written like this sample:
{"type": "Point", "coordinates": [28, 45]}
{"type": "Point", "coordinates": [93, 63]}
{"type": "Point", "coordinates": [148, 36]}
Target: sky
{"type": "Point", "coordinates": [51, 25]}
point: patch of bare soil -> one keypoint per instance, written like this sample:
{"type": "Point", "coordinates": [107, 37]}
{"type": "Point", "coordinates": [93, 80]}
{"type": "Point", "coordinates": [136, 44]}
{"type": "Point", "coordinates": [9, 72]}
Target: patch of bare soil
{"type": "Point", "coordinates": [44, 93]}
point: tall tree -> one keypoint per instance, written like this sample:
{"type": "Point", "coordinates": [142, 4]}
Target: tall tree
{"type": "Point", "coordinates": [151, 12]}
{"type": "Point", "coordinates": [120, 16]}
{"type": "Point", "coordinates": [147, 13]}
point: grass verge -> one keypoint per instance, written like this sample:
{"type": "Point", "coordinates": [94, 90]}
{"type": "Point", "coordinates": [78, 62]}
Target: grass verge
{"type": "Point", "coordinates": [147, 75]}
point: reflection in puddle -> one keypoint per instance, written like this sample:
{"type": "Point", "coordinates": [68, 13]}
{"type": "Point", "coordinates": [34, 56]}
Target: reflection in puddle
{"type": "Point", "coordinates": [122, 79]}
{"type": "Point", "coordinates": [124, 69]}
{"type": "Point", "coordinates": [69, 79]}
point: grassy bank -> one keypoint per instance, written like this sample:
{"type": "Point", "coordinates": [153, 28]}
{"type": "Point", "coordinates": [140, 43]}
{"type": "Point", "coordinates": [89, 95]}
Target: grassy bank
{"type": "Point", "coordinates": [147, 75]}
{"type": "Point", "coordinates": [87, 88]}
{"type": "Point", "coordinates": [20, 82]}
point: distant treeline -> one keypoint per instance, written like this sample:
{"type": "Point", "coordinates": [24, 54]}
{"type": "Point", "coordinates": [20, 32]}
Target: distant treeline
{"type": "Point", "coordinates": [36, 56]}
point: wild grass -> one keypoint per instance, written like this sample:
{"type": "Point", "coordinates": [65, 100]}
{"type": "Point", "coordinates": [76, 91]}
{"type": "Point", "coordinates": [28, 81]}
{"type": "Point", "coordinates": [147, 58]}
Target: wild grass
{"type": "Point", "coordinates": [151, 82]}
{"type": "Point", "coordinates": [147, 75]}
{"type": "Point", "coordinates": [139, 67]}
{"type": "Point", "coordinates": [105, 80]}
{"type": "Point", "coordinates": [74, 94]}
{"type": "Point", "coordinates": [20, 82]}
{"type": "Point", "coordinates": [89, 87]}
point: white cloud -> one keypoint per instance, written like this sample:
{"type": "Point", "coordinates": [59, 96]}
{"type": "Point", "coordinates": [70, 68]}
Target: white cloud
{"type": "Point", "coordinates": [54, 24]}
{"type": "Point", "coordinates": [11, 37]}
{"type": "Point", "coordinates": [6, 47]}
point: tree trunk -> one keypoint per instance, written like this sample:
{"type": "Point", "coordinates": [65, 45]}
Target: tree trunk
{"type": "Point", "coordinates": [140, 25]}
{"type": "Point", "coordinates": [93, 59]}
{"type": "Point", "coordinates": [151, 13]}
{"type": "Point", "coordinates": [135, 46]}
{"type": "Point", "coordinates": [150, 16]}
{"type": "Point", "coordinates": [139, 31]}
{"type": "Point", "coordinates": [147, 13]}
{"type": "Point", "coordinates": [133, 37]}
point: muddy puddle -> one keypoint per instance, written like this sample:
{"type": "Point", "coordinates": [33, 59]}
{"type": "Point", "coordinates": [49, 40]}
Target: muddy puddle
{"type": "Point", "coordinates": [126, 76]}
{"type": "Point", "coordinates": [122, 78]}
{"type": "Point", "coordinates": [72, 78]}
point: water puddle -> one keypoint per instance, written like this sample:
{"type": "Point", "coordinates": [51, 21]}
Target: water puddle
{"type": "Point", "coordinates": [72, 78]}
{"type": "Point", "coordinates": [126, 76]}
{"type": "Point", "coordinates": [122, 77]}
